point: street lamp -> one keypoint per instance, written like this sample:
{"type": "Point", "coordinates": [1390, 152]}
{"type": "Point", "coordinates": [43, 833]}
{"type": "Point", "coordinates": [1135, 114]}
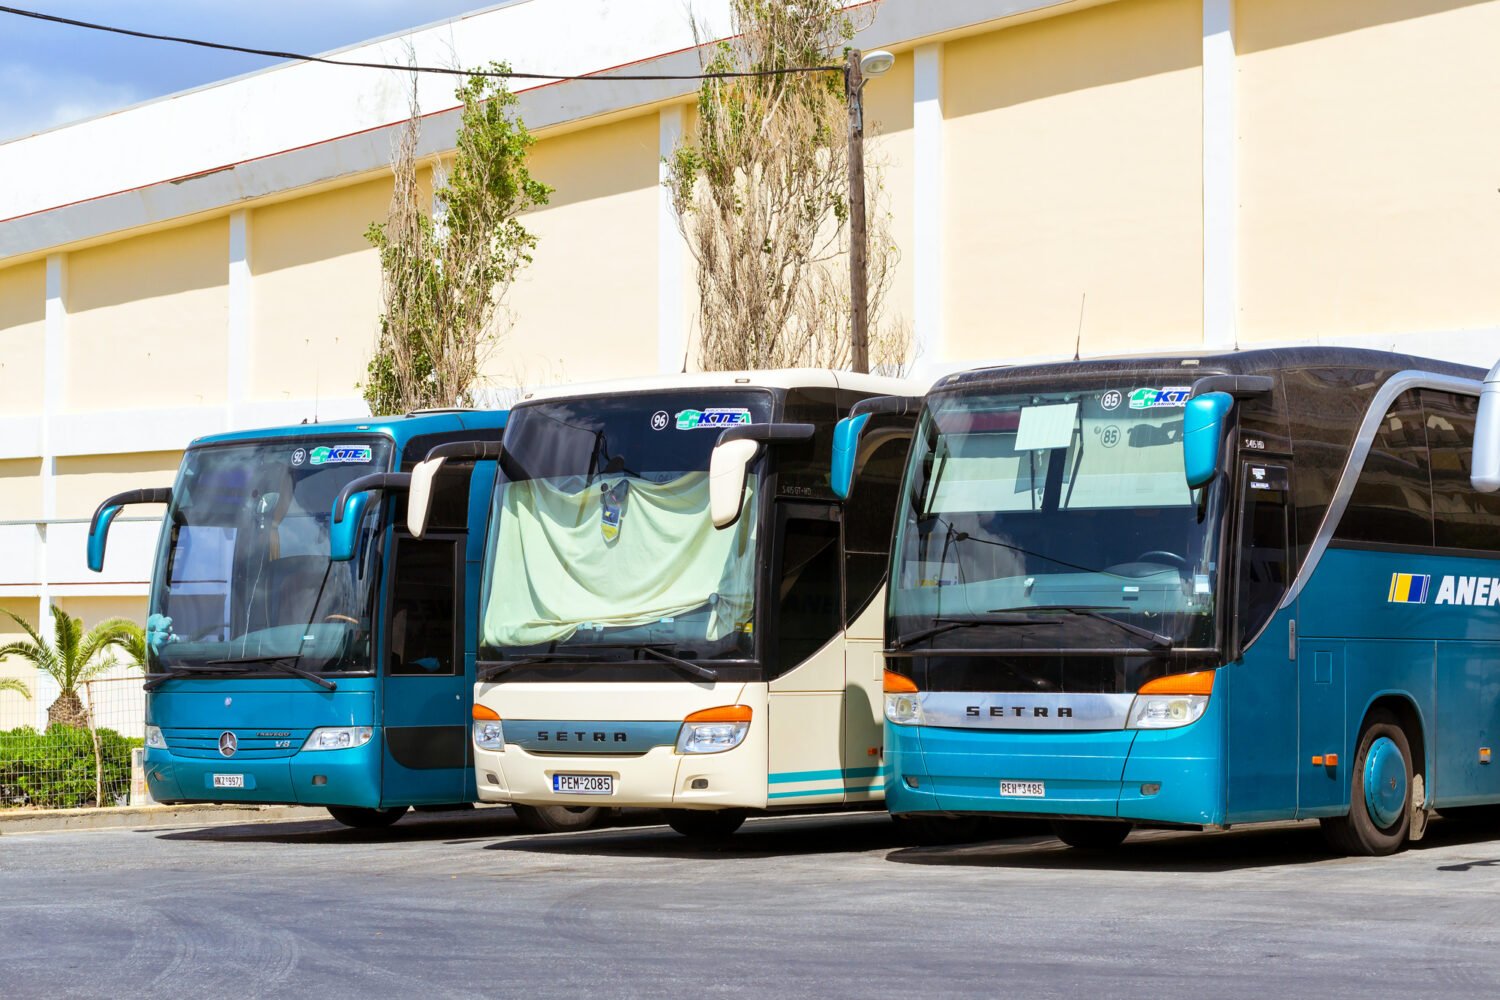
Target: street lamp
{"type": "Point", "coordinates": [859, 67]}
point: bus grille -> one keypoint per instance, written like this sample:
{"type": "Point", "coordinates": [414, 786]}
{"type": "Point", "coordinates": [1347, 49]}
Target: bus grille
{"type": "Point", "coordinates": [253, 744]}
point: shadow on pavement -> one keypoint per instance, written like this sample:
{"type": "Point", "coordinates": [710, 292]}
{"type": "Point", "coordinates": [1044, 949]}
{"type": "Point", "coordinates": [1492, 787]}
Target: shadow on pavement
{"type": "Point", "coordinates": [460, 826]}
{"type": "Point", "coordinates": [759, 838]}
{"type": "Point", "coordinates": [1279, 845]}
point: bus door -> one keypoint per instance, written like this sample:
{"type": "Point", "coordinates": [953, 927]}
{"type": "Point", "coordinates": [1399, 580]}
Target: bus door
{"type": "Point", "coordinates": [805, 657]}
{"type": "Point", "coordinates": [424, 694]}
{"type": "Point", "coordinates": [1265, 741]}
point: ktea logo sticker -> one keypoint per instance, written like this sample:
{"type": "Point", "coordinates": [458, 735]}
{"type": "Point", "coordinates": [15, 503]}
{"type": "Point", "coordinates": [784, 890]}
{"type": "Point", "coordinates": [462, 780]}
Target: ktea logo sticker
{"type": "Point", "coordinates": [343, 454]}
{"type": "Point", "coordinates": [720, 416]}
{"type": "Point", "coordinates": [1146, 399]}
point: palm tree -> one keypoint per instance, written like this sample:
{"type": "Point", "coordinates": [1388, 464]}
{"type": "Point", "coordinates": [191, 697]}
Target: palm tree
{"type": "Point", "coordinates": [71, 659]}
{"type": "Point", "coordinates": [18, 686]}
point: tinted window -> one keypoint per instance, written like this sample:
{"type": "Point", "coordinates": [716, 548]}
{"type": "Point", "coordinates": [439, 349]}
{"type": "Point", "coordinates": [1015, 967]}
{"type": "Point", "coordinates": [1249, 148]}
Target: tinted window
{"type": "Point", "coordinates": [1392, 502]}
{"type": "Point", "coordinates": [1264, 547]}
{"type": "Point", "coordinates": [1462, 517]}
{"type": "Point", "coordinates": [808, 589]}
{"type": "Point", "coordinates": [868, 516]}
{"type": "Point", "coordinates": [423, 628]}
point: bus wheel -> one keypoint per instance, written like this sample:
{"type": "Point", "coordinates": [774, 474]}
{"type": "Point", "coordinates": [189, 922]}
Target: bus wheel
{"type": "Point", "coordinates": [705, 824]}
{"type": "Point", "coordinates": [557, 819]}
{"type": "Point", "coordinates": [937, 831]}
{"type": "Point", "coordinates": [1380, 793]}
{"type": "Point", "coordinates": [366, 819]}
{"type": "Point", "coordinates": [1089, 835]}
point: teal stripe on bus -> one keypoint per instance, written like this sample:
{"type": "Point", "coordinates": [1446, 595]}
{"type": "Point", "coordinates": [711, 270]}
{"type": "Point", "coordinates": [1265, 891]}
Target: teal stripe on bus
{"type": "Point", "coordinates": [834, 774]}
{"type": "Point", "coordinates": [826, 791]}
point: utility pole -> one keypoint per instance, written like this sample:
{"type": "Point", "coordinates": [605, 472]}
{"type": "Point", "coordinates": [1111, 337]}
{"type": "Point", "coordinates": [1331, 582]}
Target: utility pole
{"type": "Point", "coordinates": [859, 298]}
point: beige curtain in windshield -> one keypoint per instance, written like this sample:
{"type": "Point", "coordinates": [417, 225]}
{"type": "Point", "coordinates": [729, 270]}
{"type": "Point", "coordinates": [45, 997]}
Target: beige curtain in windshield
{"type": "Point", "coordinates": [554, 569]}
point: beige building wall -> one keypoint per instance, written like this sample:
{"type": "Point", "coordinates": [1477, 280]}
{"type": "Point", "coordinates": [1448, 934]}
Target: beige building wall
{"type": "Point", "coordinates": [146, 320]}
{"type": "Point", "coordinates": [20, 489]}
{"type": "Point", "coordinates": [23, 330]}
{"type": "Point", "coordinates": [84, 480]}
{"type": "Point", "coordinates": [15, 710]}
{"type": "Point", "coordinates": [1074, 169]}
{"type": "Point", "coordinates": [1368, 166]}
{"type": "Point", "coordinates": [888, 148]}
{"type": "Point", "coordinates": [586, 309]}
{"type": "Point", "coordinates": [315, 292]}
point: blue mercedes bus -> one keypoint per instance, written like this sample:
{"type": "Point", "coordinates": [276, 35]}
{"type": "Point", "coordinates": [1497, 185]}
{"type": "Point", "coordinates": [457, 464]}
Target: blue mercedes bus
{"type": "Point", "coordinates": [1196, 592]}
{"type": "Point", "coordinates": [299, 657]}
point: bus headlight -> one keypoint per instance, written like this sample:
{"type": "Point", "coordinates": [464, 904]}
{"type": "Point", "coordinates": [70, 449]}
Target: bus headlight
{"type": "Point", "coordinates": [1172, 701]}
{"type": "Point", "coordinates": [714, 730]}
{"type": "Point", "coordinates": [154, 739]}
{"type": "Point", "coordinates": [489, 731]}
{"type": "Point", "coordinates": [338, 738]}
{"type": "Point", "coordinates": [1166, 713]}
{"type": "Point", "coordinates": [903, 702]}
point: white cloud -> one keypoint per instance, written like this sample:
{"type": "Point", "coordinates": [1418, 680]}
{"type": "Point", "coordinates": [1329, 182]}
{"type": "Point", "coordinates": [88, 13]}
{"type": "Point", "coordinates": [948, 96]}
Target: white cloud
{"type": "Point", "coordinates": [37, 99]}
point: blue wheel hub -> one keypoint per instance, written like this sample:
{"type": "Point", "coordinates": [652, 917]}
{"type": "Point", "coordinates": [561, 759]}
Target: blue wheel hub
{"type": "Point", "coordinates": [1385, 782]}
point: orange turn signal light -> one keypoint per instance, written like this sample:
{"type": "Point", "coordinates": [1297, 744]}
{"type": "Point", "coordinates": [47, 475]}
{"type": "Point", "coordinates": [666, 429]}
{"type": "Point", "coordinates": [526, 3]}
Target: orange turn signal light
{"type": "Point", "coordinates": [486, 714]}
{"type": "Point", "coordinates": [724, 713]}
{"type": "Point", "coordinates": [1198, 682]}
{"type": "Point", "coordinates": [898, 684]}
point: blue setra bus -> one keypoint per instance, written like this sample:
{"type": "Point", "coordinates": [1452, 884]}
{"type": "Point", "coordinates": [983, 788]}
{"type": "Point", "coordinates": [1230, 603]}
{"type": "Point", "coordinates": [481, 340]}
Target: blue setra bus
{"type": "Point", "coordinates": [296, 657]}
{"type": "Point", "coordinates": [1196, 592]}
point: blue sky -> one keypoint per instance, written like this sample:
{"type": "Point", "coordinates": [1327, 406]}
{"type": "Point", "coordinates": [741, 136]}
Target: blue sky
{"type": "Point", "coordinates": [51, 74]}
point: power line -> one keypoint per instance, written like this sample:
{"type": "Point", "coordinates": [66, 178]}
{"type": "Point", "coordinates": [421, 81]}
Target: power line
{"type": "Point", "coordinates": [441, 70]}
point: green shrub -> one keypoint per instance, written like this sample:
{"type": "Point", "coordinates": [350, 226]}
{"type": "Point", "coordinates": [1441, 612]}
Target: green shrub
{"type": "Point", "coordinates": [56, 769]}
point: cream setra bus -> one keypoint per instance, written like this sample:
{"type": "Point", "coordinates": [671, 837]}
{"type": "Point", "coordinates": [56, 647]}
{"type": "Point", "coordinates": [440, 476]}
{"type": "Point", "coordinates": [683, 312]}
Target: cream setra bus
{"type": "Point", "coordinates": [677, 612]}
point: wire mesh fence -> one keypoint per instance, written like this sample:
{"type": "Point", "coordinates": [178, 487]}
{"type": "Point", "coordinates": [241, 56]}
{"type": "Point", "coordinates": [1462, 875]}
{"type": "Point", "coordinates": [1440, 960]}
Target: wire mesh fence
{"type": "Point", "coordinates": [63, 766]}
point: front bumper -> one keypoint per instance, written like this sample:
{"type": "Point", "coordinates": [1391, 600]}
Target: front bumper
{"type": "Point", "coordinates": [325, 777]}
{"type": "Point", "coordinates": [658, 778]}
{"type": "Point", "coordinates": [1105, 775]}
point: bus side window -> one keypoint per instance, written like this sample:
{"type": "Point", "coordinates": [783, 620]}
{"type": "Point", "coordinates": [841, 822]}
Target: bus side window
{"type": "Point", "coordinates": [1392, 501]}
{"type": "Point", "coordinates": [424, 607]}
{"type": "Point", "coordinates": [1265, 546]}
{"type": "Point", "coordinates": [808, 590]}
{"type": "Point", "coordinates": [868, 517]}
{"type": "Point", "coordinates": [1462, 517]}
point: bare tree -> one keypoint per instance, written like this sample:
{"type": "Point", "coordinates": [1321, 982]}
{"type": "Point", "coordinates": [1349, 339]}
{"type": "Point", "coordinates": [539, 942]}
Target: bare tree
{"type": "Point", "coordinates": [443, 279]}
{"type": "Point", "coordinates": [761, 194]}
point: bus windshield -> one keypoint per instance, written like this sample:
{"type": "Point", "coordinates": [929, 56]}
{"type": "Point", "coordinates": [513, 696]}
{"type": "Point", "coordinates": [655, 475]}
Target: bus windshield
{"type": "Point", "coordinates": [601, 539]}
{"type": "Point", "coordinates": [1062, 504]}
{"type": "Point", "coordinates": [243, 578]}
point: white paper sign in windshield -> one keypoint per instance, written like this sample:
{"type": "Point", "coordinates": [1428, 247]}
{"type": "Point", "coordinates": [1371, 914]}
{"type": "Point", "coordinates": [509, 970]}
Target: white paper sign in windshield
{"type": "Point", "coordinates": [1045, 428]}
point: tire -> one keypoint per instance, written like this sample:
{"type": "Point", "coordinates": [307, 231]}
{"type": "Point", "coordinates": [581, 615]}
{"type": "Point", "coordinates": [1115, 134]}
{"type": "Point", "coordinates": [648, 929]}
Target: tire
{"type": "Point", "coordinates": [1090, 835]}
{"type": "Point", "coordinates": [938, 831]}
{"type": "Point", "coordinates": [558, 819]}
{"type": "Point", "coordinates": [1379, 816]}
{"type": "Point", "coordinates": [366, 819]}
{"type": "Point", "coordinates": [705, 824]}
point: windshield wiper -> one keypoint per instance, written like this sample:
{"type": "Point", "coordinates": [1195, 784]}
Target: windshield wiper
{"type": "Point", "coordinates": [173, 673]}
{"type": "Point", "coordinates": [1091, 611]}
{"type": "Point", "coordinates": [696, 669]}
{"type": "Point", "coordinates": [949, 624]}
{"type": "Point", "coordinates": [287, 664]}
{"type": "Point", "coordinates": [496, 667]}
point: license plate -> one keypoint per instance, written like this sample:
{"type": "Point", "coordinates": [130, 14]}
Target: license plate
{"type": "Point", "coordinates": [229, 781]}
{"type": "Point", "coordinates": [1023, 789]}
{"type": "Point", "coordinates": [584, 784]}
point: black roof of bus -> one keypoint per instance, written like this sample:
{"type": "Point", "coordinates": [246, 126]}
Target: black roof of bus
{"type": "Point", "coordinates": [1264, 361]}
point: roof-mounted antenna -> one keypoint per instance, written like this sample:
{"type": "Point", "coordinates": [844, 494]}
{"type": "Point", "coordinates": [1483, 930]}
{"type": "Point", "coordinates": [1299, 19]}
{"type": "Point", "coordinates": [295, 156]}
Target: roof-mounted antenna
{"type": "Point", "coordinates": [1078, 343]}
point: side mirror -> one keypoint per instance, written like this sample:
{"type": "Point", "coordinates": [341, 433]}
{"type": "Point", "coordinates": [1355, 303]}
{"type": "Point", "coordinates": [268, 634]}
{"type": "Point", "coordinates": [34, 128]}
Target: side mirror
{"type": "Point", "coordinates": [729, 464]}
{"type": "Point", "coordinates": [105, 514]}
{"type": "Point", "coordinates": [419, 503]}
{"type": "Point", "coordinates": [349, 510]}
{"type": "Point", "coordinates": [848, 456]}
{"type": "Point", "coordinates": [1485, 474]}
{"type": "Point", "coordinates": [1203, 436]}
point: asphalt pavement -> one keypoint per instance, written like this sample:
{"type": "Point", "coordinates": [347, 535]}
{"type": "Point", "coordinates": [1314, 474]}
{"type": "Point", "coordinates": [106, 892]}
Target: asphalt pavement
{"type": "Point", "coordinates": [467, 904]}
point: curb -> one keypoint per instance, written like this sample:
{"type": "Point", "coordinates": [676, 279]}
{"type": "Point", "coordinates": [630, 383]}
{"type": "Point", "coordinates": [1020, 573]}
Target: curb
{"type": "Point", "coordinates": [145, 817]}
